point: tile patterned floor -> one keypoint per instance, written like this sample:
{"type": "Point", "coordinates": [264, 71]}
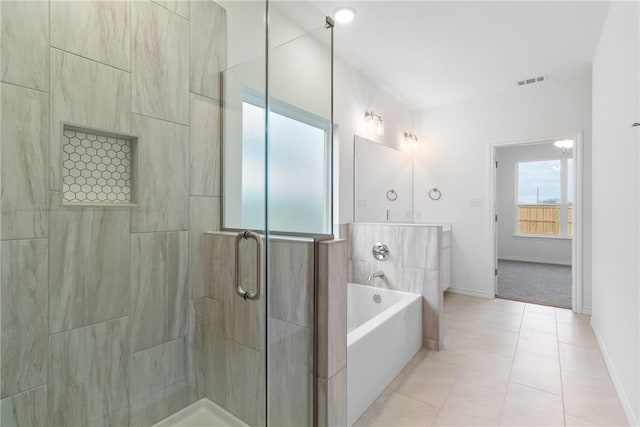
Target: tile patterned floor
{"type": "Point", "coordinates": [503, 363]}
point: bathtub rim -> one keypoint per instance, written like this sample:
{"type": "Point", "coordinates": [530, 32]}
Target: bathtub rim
{"type": "Point", "coordinates": [363, 330]}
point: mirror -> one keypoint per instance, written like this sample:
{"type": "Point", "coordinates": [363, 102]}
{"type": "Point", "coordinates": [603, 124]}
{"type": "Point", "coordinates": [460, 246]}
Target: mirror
{"type": "Point", "coordinates": [383, 183]}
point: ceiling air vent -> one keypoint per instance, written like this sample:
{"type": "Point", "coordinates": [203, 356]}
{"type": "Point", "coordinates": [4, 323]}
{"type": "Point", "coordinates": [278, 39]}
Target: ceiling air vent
{"type": "Point", "coordinates": [532, 80]}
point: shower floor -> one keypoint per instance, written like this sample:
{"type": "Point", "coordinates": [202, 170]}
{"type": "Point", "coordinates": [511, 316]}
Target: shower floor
{"type": "Point", "coordinates": [201, 413]}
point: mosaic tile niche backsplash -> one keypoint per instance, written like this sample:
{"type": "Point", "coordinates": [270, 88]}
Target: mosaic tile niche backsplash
{"type": "Point", "coordinates": [97, 168]}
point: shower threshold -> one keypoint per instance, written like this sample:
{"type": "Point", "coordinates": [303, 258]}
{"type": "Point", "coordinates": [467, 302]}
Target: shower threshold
{"type": "Point", "coordinates": [201, 413]}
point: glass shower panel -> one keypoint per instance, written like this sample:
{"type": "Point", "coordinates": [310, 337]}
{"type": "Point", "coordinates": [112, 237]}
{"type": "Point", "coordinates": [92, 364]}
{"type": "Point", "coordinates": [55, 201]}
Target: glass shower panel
{"type": "Point", "coordinates": [299, 194]}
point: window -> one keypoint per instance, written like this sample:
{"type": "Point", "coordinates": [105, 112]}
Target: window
{"type": "Point", "coordinates": [545, 198]}
{"type": "Point", "coordinates": [299, 178]}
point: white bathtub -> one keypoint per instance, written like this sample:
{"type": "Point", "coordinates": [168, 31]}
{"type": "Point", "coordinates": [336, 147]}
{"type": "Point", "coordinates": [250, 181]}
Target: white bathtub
{"type": "Point", "coordinates": [381, 339]}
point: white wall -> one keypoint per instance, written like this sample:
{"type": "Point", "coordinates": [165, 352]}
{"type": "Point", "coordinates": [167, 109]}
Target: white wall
{"type": "Point", "coordinates": [535, 249]}
{"type": "Point", "coordinates": [454, 155]}
{"type": "Point", "coordinates": [354, 94]}
{"type": "Point", "coordinates": [616, 206]}
{"type": "Point", "coordinates": [379, 169]}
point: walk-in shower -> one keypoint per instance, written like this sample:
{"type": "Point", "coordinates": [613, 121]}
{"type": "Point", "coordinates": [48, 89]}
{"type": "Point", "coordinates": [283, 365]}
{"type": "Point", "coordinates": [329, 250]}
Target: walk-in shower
{"type": "Point", "coordinates": [166, 176]}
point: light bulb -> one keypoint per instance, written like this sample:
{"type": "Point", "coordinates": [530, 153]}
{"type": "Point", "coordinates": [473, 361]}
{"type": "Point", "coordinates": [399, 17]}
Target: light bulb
{"type": "Point", "coordinates": [380, 127]}
{"type": "Point", "coordinates": [344, 14]}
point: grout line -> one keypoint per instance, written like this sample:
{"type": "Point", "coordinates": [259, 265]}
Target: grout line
{"type": "Point", "coordinates": [537, 389]}
{"type": "Point", "coordinates": [204, 196]}
{"type": "Point", "coordinates": [418, 400]}
{"type": "Point", "coordinates": [504, 400]}
{"type": "Point", "coordinates": [44, 92]}
{"type": "Point", "coordinates": [171, 11]}
{"type": "Point", "coordinates": [93, 60]}
{"type": "Point", "coordinates": [564, 409]}
{"type": "Point", "coordinates": [100, 322]}
{"type": "Point", "coordinates": [205, 97]}
{"type": "Point", "coordinates": [158, 118]}
{"type": "Point", "coordinates": [21, 392]}
{"type": "Point", "coordinates": [20, 239]}
{"type": "Point", "coordinates": [158, 232]}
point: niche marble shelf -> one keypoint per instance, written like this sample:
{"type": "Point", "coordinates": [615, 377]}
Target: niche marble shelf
{"type": "Point", "coordinates": [98, 167]}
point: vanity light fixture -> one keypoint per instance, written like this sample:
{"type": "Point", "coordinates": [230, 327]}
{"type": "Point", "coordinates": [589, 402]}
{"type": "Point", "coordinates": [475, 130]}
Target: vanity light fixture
{"type": "Point", "coordinates": [374, 119]}
{"type": "Point", "coordinates": [565, 145]}
{"type": "Point", "coordinates": [410, 137]}
{"type": "Point", "coordinates": [344, 14]}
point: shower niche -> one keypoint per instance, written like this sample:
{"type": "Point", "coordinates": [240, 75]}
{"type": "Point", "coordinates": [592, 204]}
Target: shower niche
{"type": "Point", "coordinates": [98, 167]}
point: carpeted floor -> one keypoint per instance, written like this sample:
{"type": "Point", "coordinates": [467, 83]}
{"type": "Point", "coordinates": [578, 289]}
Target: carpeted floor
{"type": "Point", "coordinates": [545, 284]}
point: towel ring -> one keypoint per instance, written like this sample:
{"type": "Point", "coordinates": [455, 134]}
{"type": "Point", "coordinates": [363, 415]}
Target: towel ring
{"type": "Point", "coordinates": [435, 194]}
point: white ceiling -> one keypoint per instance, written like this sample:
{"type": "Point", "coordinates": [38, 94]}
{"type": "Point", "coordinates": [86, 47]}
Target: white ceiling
{"type": "Point", "coordinates": [431, 53]}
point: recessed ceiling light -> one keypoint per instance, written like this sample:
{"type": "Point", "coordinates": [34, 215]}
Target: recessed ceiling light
{"type": "Point", "coordinates": [344, 14]}
{"type": "Point", "coordinates": [565, 143]}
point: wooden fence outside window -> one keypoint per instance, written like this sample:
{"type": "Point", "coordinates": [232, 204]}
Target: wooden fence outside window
{"type": "Point", "coordinates": [543, 219]}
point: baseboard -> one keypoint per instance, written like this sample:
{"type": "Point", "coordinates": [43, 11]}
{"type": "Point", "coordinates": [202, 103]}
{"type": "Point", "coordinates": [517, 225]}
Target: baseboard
{"type": "Point", "coordinates": [470, 292]}
{"type": "Point", "coordinates": [586, 310]}
{"type": "Point", "coordinates": [626, 405]}
{"type": "Point", "coordinates": [536, 260]}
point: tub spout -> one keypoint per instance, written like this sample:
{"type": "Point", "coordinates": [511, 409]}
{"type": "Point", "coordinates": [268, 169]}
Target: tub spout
{"type": "Point", "coordinates": [374, 275]}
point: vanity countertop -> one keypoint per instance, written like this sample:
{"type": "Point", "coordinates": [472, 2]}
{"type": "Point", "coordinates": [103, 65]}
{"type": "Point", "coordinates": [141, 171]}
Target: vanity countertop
{"type": "Point", "coordinates": [446, 226]}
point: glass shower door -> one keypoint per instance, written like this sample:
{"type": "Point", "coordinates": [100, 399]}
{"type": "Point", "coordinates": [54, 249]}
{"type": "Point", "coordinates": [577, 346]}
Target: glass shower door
{"type": "Point", "coordinates": [299, 210]}
{"type": "Point", "coordinates": [277, 170]}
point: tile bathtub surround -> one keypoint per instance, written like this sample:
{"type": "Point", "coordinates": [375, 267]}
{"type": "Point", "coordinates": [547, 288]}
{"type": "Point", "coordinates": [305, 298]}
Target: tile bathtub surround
{"type": "Point", "coordinates": [415, 264]}
{"type": "Point", "coordinates": [23, 315]}
{"type": "Point", "coordinates": [25, 162]}
{"type": "Point", "coordinates": [24, 57]}
{"type": "Point", "coordinates": [88, 264]}
{"type": "Point", "coordinates": [160, 63]}
{"type": "Point", "coordinates": [483, 376]}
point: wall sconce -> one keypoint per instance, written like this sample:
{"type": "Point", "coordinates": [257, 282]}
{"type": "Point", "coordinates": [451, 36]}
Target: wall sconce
{"type": "Point", "coordinates": [374, 119]}
{"type": "Point", "coordinates": [412, 138]}
{"type": "Point", "coordinates": [566, 145]}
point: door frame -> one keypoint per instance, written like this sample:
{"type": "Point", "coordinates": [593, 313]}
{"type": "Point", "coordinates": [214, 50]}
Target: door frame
{"type": "Point", "coordinates": [577, 300]}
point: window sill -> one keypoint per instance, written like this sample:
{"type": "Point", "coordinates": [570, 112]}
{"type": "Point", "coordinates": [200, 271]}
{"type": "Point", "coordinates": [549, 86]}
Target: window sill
{"type": "Point", "coordinates": [541, 236]}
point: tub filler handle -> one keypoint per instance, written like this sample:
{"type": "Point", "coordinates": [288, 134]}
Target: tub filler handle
{"type": "Point", "coordinates": [247, 295]}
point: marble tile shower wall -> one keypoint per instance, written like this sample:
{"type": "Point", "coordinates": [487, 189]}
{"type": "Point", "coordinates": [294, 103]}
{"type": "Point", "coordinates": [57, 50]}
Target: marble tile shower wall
{"type": "Point", "coordinates": [96, 323]}
{"type": "Point", "coordinates": [414, 265]}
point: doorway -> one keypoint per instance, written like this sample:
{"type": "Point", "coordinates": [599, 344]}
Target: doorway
{"type": "Point", "coordinates": [536, 221]}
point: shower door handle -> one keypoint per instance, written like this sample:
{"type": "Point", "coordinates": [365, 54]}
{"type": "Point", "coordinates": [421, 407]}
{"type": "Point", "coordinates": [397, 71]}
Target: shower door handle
{"type": "Point", "coordinates": [246, 295]}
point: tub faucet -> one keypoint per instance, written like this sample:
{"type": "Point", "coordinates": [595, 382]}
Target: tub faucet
{"type": "Point", "coordinates": [375, 274]}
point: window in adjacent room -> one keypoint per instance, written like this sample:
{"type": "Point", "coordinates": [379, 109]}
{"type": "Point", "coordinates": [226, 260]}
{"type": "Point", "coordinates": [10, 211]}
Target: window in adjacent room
{"type": "Point", "coordinates": [545, 198]}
